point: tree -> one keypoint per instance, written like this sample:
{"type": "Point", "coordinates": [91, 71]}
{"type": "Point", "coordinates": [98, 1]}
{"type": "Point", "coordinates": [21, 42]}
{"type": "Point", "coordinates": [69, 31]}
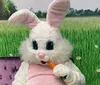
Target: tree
{"type": "Point", "coordinates": [1, 4]}
{"type": "Point", "coordinates": [39, 14]}
{"type": "Point", "coordinates": [96, 11]}
{"type": "Point", "coordinates": [7, 7]}
{"type": "Point", "coordinates": [11, 6]}
{"type": "Point", "coordinates": [71, 12]}
{"type": "Point", "coordinates": [4, 12]}
{"type": "Point", "coordinates": [80, 12]}
{"type": "Point", "coordinates": [44, 14]}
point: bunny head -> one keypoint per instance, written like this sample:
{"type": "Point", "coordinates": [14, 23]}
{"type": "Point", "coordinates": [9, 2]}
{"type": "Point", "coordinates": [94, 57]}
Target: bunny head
{"type": "Point", "coordinates": [45, 41]}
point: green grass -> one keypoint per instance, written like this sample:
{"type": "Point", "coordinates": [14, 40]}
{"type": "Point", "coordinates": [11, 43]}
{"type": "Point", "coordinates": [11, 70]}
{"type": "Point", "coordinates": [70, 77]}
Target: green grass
{"type": "Point", "coordinates": [11, 37]}
{"type": "Point", "coordinates": [83, 33]}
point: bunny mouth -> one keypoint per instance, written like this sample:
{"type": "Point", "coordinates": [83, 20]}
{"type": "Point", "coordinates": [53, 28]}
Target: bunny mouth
{"type": "Point", "coordinates": [43, 62]}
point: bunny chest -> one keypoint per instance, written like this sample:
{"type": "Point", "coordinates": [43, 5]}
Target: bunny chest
{"type": "Point", "coordinates": [42, 75]}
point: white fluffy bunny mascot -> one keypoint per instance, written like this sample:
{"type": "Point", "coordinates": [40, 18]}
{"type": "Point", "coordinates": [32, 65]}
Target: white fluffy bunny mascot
{"type": "Point", "coordinates": [46, 43]}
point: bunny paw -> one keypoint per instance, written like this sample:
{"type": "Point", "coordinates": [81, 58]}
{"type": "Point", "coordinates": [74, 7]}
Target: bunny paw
{"type": "Point", "coordinates": [61, 71]}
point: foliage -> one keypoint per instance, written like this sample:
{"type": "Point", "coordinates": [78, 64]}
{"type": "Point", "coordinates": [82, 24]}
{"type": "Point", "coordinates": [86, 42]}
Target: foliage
{"type": "Point", "coordinates": [87, 12]}
{"type": "Point", "coordinates": [73, 13]}
{"type": "Point", "coordinates": [4, 11]}
{"type": "Point", "coordinates": [11, 6]}
{"type": "Point", "coordinates": [41, 14]}
{"type": "Point", "coordinates": [7, 7]}
{"type": "Point", "coordinates": [1, 4]}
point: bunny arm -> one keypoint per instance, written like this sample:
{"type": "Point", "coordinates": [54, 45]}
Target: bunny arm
{"type": "Point", "coordinates": [21, 75]}
{"type": "Point", "coordinates": [76, 76]}
{"type": "Point", "coordinates": [70, 72]}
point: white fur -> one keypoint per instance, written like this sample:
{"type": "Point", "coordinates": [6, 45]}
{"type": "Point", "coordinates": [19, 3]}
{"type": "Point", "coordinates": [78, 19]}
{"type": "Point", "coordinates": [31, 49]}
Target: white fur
{"type": "Point", "coordinates": [42, 33]}
{"type": "Point", "coordinates": [61, 70]}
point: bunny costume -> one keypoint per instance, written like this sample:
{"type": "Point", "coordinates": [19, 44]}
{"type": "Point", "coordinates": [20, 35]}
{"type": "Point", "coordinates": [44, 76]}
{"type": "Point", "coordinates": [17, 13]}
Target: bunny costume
{"type": "Point", "coordinates": [46, 43]}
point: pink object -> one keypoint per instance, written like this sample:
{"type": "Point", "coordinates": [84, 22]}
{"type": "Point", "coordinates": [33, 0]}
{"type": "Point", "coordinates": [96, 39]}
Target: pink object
{"type": "Point", "coordinates": [41, 55]}
{"type": "Point", "coordinates": [25, 17]}
{"type": "Point", "coordinates": [56, 12]}
{"type": "Point", "coordinates": [42, 75]}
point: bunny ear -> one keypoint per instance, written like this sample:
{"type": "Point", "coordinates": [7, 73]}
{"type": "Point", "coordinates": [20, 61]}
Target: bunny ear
{"type": "Point", "coordinates": [25, 17]}
{"type": "Point", "coordinates": [56, 12]}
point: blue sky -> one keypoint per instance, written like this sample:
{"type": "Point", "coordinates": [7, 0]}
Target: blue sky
{"type": "Point", "coordinates": [43, 4]}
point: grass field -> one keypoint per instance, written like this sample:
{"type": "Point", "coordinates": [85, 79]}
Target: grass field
{"type": "Point", "coordinates": [83, 33]}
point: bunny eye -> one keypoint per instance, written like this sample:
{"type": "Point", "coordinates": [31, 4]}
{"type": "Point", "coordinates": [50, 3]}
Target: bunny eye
{"type": "Point", "coordinates": [50, 45]}
{"type": "Point", "coordinates": [35, 45]}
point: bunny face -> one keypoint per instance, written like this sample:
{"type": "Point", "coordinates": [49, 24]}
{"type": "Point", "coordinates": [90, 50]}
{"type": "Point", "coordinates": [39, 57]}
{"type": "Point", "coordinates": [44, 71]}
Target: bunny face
{"type": "Point", "coordinates": [45, 41]}
{"type": "Point", "coordinates": [49, 44]}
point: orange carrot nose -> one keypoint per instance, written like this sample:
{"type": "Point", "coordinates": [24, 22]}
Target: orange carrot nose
{"type": "Point", "coordinates": [52, 65]}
